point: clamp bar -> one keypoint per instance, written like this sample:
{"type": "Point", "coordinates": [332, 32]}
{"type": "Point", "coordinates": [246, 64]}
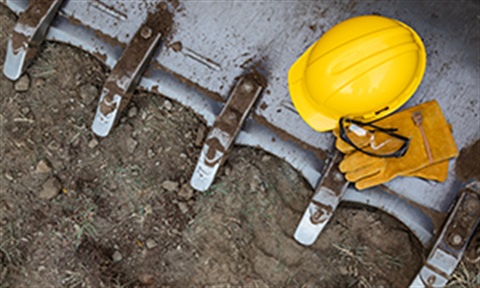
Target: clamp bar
{"type": "Point", "coordinates": [328, 195]}
{"type": "Point", "coordinates": [27, 36]}
{"type": "Point", "coordinates": [453, 240]}
{"type": "Point", "coordinates": [124, 77]}
{"type": "Point", "coordinates": [225, 129]}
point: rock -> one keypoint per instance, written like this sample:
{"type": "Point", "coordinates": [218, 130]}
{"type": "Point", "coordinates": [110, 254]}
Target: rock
{"type": "Point", "coordinates": [22, 84]}
{"type": "Point", "coordinates": [88, 93]}
{"type": "Point", "coordinates": [93, 143]}
{"type": "Point", "coordinates": [168, 105]}
{"type": "Point", "coordinates": [39, 82]}
{"type": "Point", "coordinates": [50, 188]}
{"type": "Point", "coordinates": [200, 136]}
{"type": "Point", "coordinates": [183, 207]}
{"type": "Point", "coordinates": [117, 256]}
{"type": "Point", "coordinates": [266, 158]}
{"type": "Point", "coordinates": [9, 177]}
{"type": "Point", "coordinates": [170, 186]}
{"type": "Point", "coordinates": [131, 145]}
{"type": "Point", "coordinates": [185, 192]}
{"type": "Point", "coordinates": [150, 243]}
{"type": "Point", "coordinates": [150, 153]}
{"type": "Point", "coordinates": [343, 270]}
{"type": "Point", "coordinates": [25, 110]}
{"type": "Point", "coordinates": [43, 167]}
{"type": "Point", "coordinates": [132, 112]}
{"type": "Point", "coordinates": [145, 279]}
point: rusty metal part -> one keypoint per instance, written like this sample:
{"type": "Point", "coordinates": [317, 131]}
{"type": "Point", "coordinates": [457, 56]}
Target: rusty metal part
{"type": "Point", "coordinates": [328, 195]}
{"type": "Point", "coordinates": [27, 36]}
{"type": "Point", "coordinates": [124, 77]}
{"type": "Point", "coordinates": [225, 129]}
{"type": "Point", "coordinates": [452, 242]}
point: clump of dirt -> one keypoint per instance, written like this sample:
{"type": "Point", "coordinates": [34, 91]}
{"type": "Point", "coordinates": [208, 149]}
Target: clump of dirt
{"type": "Point", "coordinates": [467, 165]}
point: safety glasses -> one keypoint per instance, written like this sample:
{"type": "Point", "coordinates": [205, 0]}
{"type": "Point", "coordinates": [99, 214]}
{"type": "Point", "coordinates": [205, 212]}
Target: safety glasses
{"type": "Point", "coordinates": [373, 140]}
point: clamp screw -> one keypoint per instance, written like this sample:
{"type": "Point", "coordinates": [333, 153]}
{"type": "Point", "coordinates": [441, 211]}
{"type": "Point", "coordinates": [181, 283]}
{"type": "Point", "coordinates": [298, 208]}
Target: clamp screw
{"type": "Point", "coordinates": [247, 86]}
{"type": "Point", "coordinates": [146, 32]}
{"type": "Point", "coordinates": [457, 239]}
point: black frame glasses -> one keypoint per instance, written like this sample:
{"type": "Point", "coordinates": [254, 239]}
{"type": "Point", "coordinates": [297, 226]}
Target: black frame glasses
{"type": "Point", "coordinates": [390, 131]}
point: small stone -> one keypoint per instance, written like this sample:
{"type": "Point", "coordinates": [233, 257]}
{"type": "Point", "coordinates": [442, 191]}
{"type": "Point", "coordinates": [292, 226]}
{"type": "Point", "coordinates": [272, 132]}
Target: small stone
{"type": "Point", "coordinates": [25, 110]}
{"type": "Point", "coordinates": [185, 192]}
{"type": "Point", "coordinates": [343, 270]}
{"type": "Point", "coordinates": [183, 207]}
{"type": "Point", "coordinates": [167, 105]}
{"type": "Point", "coordinates": [117, 256]}
{"type": "Point", "coordinates": [131, 145]}
{"type": "Point", "coordinates": [88, 93]}
{"type": "Point", "coordinates": [39, 82]}
{"type": "Point", "coordinates": [266, 158]}
{"type": "Point", "coordinates": [93, 143]}
{"type": "Point", "coordinates": [9, 177]}
{"type": "Point", "coordinates": [50, 188]}
{"type": "Point", "coordinates": [145, 279]}
{"type": "Point", "coordinates": [150, 153]}
{"type": "Point", "coordinates": [43, 167]}
{"type": "Point", "coordinates": [150, 243]}
{"type": "Point", "coordinates": [22, 84]}
{"type": "Point", "coordinates": [200, 136]}
{"type": "Point", "coordinates": [132, 112]}
{"type": "Point", "coordinates": [170, 186]}
{"type": "Point", "coordinates": [228, 170]}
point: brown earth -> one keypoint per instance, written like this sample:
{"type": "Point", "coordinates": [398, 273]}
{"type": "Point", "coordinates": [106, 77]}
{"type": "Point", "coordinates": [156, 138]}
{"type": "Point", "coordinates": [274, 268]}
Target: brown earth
{"type": "Point", "coordinates": [126, 217]}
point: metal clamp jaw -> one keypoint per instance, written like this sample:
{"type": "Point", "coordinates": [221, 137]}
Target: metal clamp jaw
{"type": "Point", "coordinates": [124, 77]}
{"type": "Point", "coordinates": [453, 240]}
{"type": "Point", "coordinates": [27, 36]}
{"type": "Point", "coordinates": [328, 195]}
{"type": "Point", "coordinates": [225, 129]}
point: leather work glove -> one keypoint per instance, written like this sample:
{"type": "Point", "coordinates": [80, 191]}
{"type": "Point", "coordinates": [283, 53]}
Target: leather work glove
{"type": "Point", "coordinates": [435, 171]}
{"type": "Point", "coordinates": [426, 158]}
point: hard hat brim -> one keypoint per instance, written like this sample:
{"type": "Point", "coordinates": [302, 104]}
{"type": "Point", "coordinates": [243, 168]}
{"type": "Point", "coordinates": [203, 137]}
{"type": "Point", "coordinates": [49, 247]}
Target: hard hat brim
{"type": "Point", "coordinates": [301, 99]}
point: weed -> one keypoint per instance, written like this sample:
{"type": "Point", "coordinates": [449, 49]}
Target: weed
{"type": "Point", "coordinates": [73, 279]}
{"type": "Point", "coordinates": [217, 187]}
{"type": "Point", "coordinates": [392, 261]}
{"type": "Point", "coordinates": [464, 278]}
{"type": "Point", "coordinates": [356, 253]}
{"type": "Point", "coordinates": [87, 227]}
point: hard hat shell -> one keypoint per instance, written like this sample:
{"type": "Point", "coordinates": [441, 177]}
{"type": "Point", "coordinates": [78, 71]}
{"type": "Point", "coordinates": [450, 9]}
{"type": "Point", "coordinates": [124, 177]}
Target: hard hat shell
{"type": "Point", "coordinates": [364, 67]}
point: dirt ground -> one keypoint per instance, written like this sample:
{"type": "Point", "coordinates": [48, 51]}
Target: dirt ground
{"type": "Point", "coordinates": [126, 217]}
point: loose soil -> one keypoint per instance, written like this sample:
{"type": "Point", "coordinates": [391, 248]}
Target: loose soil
{"type": "Point", "coordinates": [126, 217]}
{"type": "Point", "coordinates": [468, 166]}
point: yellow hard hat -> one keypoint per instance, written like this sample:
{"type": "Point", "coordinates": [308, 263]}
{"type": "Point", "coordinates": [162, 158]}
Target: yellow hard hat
{"type": "Point", "coordinates": [364, 67]}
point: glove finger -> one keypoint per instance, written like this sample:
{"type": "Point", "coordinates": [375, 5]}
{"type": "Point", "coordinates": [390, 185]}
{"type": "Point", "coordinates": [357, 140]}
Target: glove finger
{"type": "Point", "coordinates": [371, 181]}
{"type": "Point", "coordinates": [356, 175]}
{"type": "Point", "coordinates": [436, 171]}
{"type": "Point", "coordinates": [355, 161]}
{"type": "Point", "coordinates": [343, 146]}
